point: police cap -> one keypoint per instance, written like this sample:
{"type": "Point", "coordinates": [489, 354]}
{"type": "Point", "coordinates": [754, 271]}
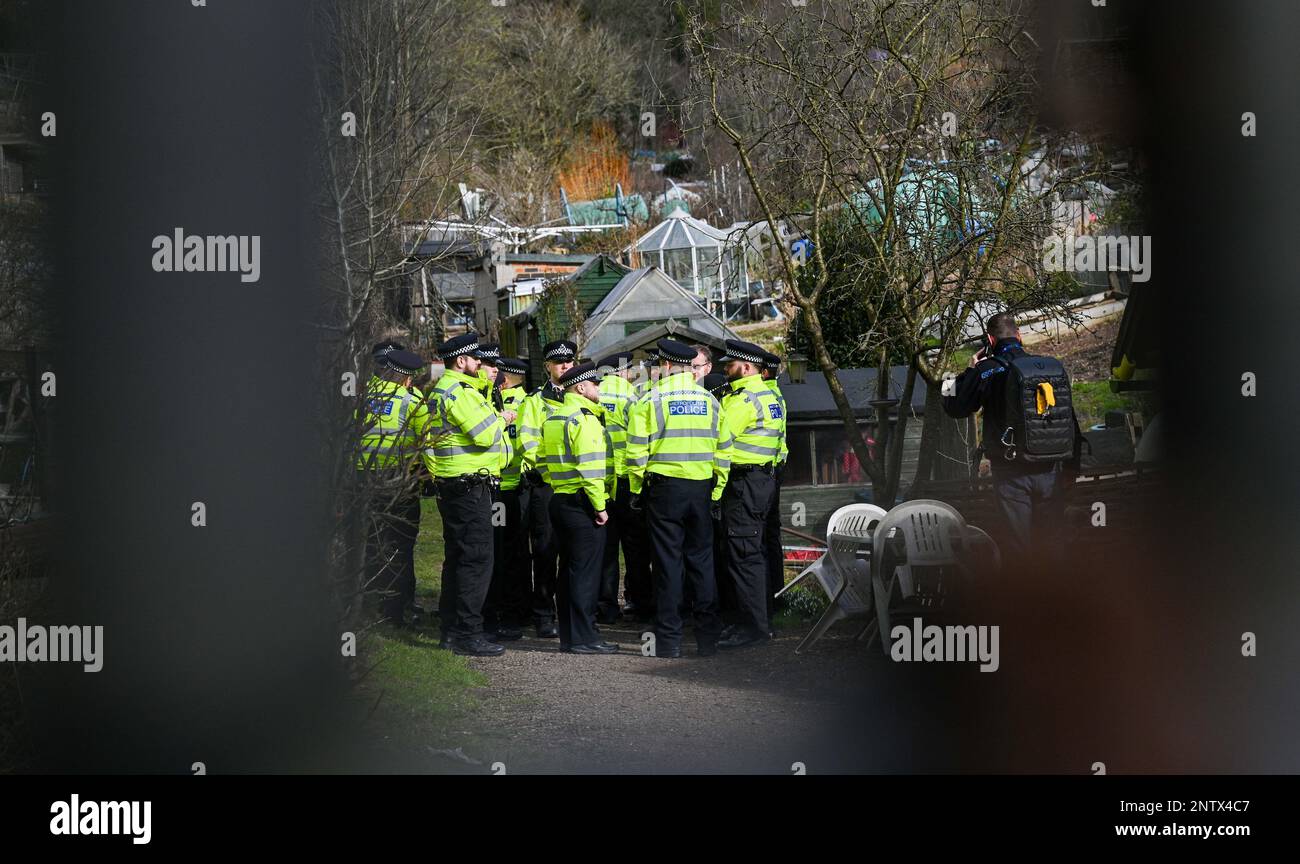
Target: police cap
{"type": "Point", "coordinates": [716, 383]}
{"type": "Point", "coordinates": [746, 352]}
{"type": "Point", "coordinates": [561, 349]}
{"type": "Point", "coordinates": [578, 374]}
{"type": "Point", "coordinates": [513, 365]}
{"type": "Point", "coordinates": [675, 352]}
{"type": "Point", "coordinates": [620, 360]}
{"type": "Point", "coordinates": [405, 362]}
{"type": "Point", "coordinates": [466, 343]}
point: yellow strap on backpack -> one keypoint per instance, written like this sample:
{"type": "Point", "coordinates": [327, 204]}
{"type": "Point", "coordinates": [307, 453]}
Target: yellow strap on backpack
{"type": "Point", "coordinates": [1045, 397]}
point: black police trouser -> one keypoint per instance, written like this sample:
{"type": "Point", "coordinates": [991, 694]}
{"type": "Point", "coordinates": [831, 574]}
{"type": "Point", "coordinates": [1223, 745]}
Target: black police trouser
{"type": "Point", "coordinates": [615, 528]}
{"type": "Point", "coordinates": [390, 550]}
{"type": "Point", "coordinates": [467, 568]}
{"type": "Point", "coordinates": [634, 534]}
{"type": "Point", "coordinates": [726, 590]}
{"type": "Point", "coordinates": [681, 535]}
{"type": "Point", "coordinates": [536, 503]}
{"type": "Point", "coordinates": [745, 502]}
{"type": "Point", "coordinates": [580, 543]}
{"type": "Point", "coordinates": [772, 550]}
{"type": "Point", "coordinates": [1033, 507]}
{"type": "Point", "coordinates": [510, 598]}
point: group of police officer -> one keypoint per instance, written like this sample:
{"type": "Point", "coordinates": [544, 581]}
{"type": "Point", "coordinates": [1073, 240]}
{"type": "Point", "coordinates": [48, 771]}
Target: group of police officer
{"type": "Point", "coordinates": [679, 466]}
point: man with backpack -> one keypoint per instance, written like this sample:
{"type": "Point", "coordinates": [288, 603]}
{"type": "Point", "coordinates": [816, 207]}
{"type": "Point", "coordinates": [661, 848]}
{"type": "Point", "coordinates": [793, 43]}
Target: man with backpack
{"type": "Point", "coordinates": [1029, 431]}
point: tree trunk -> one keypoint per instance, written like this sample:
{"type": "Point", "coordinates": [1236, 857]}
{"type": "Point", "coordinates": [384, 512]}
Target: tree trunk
{"type": "Point", "coordinates": [822, 355]}
{"type": "Point", "coordinates": [898, 437]}
{"type": "Point", "coordinates": [931, 433]}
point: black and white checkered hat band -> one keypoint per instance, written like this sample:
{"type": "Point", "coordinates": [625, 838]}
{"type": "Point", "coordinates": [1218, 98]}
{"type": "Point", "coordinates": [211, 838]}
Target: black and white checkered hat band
{"type": "Point", "coordinates": [464, 349]}
{"type": "Point", "coordinates": [562, 352]}
{"type": "Point", "coordinates": [589, 375]}
{"type": "Point", "coordinates": [391, 365]}
{"type": "Point", "coordinates": [748, 358]}
{"type": "Point", "coordinates": [490, 354]}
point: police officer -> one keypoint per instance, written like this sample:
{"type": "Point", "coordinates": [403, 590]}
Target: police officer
{"type": "Point", "coordinates": [1029, 494]}
{"type": "Point", "coordinates": [394, 422]}
{"type": "Point", "coordinates": [616, 397]}
{"type": "Point", "coordinates": [383, 349]}
{"type": "Point", "coordinates": [511, 579]}
{"type": "Point", "coordinates": [558, 358]}
{"type": "Point", "coordinates": [773, 552]}
{"type": "Point", "coordinates": [677, 463]}
{"type": "Point", "coordinates": [466, 455]}
{"type": "Point", "coordinates": [751, 417]}
{"type": "Point", "coordinates": [575, 461]}
{"type": "Point", "coordinates": [718, 385]}
{"type": "Point", "coordinates": [488, 355]}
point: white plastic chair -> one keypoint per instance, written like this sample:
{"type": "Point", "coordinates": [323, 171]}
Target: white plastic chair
{"type": "Point", "coordinates": [912, 548]}
{"type": "Point", "coordinates": [842, 574]}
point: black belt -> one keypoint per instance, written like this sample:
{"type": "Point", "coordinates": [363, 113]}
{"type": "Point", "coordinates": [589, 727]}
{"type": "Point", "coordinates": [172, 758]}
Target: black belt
{"type": "Point", "coordinates": [745, 468]}
{"type": "Point", "coordinates": [452, 487]}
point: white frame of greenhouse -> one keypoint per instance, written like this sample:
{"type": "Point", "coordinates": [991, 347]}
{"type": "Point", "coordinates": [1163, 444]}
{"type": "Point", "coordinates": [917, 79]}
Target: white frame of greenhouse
{"type": "Point", "coordinates": [702, 259]}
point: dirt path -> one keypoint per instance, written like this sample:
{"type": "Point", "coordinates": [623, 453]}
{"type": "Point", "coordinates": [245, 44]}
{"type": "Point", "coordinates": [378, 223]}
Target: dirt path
{"type": "Point", "coordinates": [757, 710]}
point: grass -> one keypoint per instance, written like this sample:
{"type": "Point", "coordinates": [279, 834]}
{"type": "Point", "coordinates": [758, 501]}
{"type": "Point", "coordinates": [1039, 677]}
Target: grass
{"type": "Point", "coordinates": [428, 553]}
{"type": "Point", "coordinates": [800, 607]}
{"type": "Point", "coordinates": [769, 335]}
{"type": "Point", "coordinates": [419, 687]}
{"type": "Point", "coordinates": [1092, 399]}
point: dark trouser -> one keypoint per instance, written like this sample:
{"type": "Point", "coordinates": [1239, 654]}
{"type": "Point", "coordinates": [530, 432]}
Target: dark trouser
{"type": "Point", "coordinates": [634, 534]}
{"type": "Point", "coordinates": [681, 535]}
{"type": "Point", "coordinates": [726, 588]}
{"type": "Point", "coordinates": [614, 531]}
{"type": "Point", "coordinates": [1033, 505]}
{"type": "Point", "coordinates": [535, 502]}
{"type": "Point", "coordinates": [772, 551]}
{"type": "Point", "coordinates": [467, 569]}
{"type": "Point", "coordinates": [745, 502]}
{"type": "Point", "coordinates": [581, 546]}
{"type": "Point", "coordinates": [390, 550]}
{"type": "Point", "coordinates": [509, 598]}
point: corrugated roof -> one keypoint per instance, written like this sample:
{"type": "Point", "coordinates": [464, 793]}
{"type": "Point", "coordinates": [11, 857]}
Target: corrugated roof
{"type": "Point", "coordinates": [627, 285]}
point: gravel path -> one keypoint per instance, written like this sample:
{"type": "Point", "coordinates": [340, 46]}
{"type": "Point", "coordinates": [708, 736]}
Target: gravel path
{"type": "Point", "coordinates": [759, 709]}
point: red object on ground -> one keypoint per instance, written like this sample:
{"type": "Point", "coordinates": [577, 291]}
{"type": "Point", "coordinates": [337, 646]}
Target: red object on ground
{"type": "Point", "coordinates": [802, 554]}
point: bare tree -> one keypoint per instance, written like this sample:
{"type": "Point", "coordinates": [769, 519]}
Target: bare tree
{"type": "Point", "coordinates": [393, 141]}
{"type": "Point", "coordinates": [891, 134]}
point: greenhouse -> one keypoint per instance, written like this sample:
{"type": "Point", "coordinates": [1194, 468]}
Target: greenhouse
{"type": "Point", "coordinates": [700, 258]}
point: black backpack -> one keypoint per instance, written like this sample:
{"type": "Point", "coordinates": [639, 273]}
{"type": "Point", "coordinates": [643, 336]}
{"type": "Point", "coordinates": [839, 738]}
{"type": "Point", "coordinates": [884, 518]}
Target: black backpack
{"type": "Point", "coordinates": [1039, 425]}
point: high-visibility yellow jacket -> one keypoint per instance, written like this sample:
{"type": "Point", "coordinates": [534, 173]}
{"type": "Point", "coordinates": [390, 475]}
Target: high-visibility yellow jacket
{"type": "Point", "coordinates": [780, 400]}
{"type": "Point", "coordinates": [616, 396]}
{"type": "Point", "coordinates": [674, 430]}
{"type": "Point", "coordinates": [537, 406]}
{"type": "Point", "coordinates": [575, 450]}
{"type": "Point", "coordinates": [512, 400]}
{"type": "Point", "coordinates": [466, 435]}
{"type": "Point", "coordinates": [394, 421]}
{"type": "Point", "coordinates": [754, 418]}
